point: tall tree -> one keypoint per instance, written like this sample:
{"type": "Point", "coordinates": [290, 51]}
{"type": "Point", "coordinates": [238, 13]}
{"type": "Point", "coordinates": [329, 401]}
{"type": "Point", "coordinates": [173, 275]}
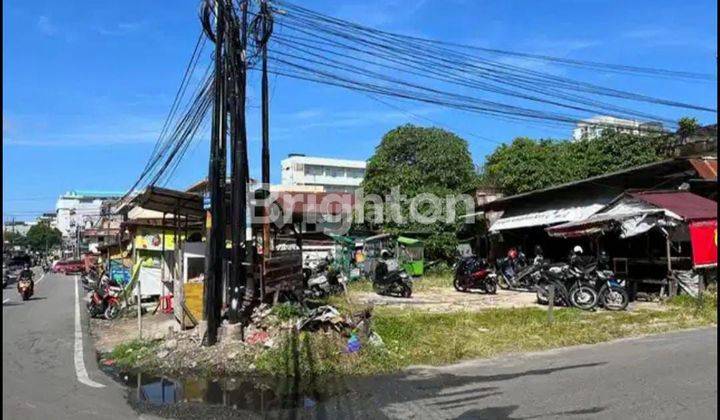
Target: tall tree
{"type": "Point", "coordinates": [417, 160]}
{"type": "Point", "coordinates": [527, 165]}
{"type": "Point", "coordinates": [42, 236]}
{"type": "Point", "coordinates": [687, 127]}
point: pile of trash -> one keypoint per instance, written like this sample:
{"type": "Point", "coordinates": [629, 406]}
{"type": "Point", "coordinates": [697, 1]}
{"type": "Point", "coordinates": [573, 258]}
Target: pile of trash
{"type": "Point", "coordinates": [182, 352]}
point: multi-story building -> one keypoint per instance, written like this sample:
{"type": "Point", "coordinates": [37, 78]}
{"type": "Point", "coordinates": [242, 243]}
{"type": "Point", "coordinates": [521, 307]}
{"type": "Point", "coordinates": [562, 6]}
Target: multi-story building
{"type": "Point", "coordinates": [81, 209]}
{"type": "Point", "coordinates": [333, 175]}
{"type": "Point", "coordinates": [592, 128]}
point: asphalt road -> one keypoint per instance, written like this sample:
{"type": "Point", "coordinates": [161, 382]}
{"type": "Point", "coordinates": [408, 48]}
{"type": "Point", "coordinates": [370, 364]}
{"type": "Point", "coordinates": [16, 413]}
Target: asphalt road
{"type": "Point", "coordinates": [671, 376]}
{"type": "Point", "coordinates": [660, 377]}
{"type": "Point", "coordinates": [39, 375]}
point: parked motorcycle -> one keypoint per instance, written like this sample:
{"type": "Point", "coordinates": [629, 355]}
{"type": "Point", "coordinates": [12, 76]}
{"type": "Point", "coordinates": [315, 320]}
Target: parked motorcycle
{"type": "Point", "coordinates": [512, 270]}
{"type": "Point", "coordinates": [474, 273]}
{"type": "Point", "coordinates": [571, 284]}
{"type": "Point", "coordinates": [390, 279]}
{"type": "Point", "coordinates": [105, 299]}
{"type": "Point", "coordinates": [327, 283]}
{"type": "Point", "coordinates": [611, 291]}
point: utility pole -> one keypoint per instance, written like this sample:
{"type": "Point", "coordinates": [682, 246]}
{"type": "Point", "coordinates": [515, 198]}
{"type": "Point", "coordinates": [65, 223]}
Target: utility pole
{"type": "Point", "coordinates": [265, 133]}
{"type": "Point", "coordinates": [239, 172]}
{"type": "Point", "coordinates": [216, 183]}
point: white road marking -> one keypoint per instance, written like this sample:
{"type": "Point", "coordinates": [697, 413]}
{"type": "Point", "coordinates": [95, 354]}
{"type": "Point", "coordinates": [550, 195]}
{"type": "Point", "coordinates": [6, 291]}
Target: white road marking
{"type": "Point", "coordinates": [80, 371]}
{"type": "Point", "coordinates": [6, 300]}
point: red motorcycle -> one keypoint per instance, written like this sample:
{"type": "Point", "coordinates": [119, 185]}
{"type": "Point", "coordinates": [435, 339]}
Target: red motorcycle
{"type": "Point", "coordinates": [105, 300]}
{"type": "Point", "coordinates": [475, 273]}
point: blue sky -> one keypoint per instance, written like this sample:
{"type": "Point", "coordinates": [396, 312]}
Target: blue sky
{"type": "Point", "coordinates": [87, 84]}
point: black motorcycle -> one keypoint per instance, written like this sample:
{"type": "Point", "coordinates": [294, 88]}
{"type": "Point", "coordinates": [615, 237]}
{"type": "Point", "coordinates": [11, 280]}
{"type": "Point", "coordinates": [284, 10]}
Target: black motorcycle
{"type": "Point", "coordinates": [391, 282]}
{"type": "Point", "coordinates": [474, 273]}
{"type": "Point", "coordinates": [571, 286]}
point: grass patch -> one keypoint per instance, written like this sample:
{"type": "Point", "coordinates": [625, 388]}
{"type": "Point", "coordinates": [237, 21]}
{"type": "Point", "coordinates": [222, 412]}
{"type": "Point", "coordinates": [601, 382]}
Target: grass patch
{"type": "Point", "coordinates": [414, 337]}
{"type": "Point", "coordinates": [134, 353]}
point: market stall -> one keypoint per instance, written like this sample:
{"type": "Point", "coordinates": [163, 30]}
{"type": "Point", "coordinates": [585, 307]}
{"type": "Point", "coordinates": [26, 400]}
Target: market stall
{"type": "Point", "coordinates": [653, 237]}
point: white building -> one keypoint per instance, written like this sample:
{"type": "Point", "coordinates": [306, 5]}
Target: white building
{"type": "Point", "coordinates": [81, 209]}
{"type": "Point", "coordinates": [333, 175]}
{"type": "Point", "coordinates": [592, 128]}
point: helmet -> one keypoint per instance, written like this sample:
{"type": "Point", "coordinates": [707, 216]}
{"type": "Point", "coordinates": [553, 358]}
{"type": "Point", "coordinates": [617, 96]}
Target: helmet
{"type": "Point", "coordinates": [538, 250]}
{"type": "Point", "coordinates": [385, 253]}
{"type": "Point", "coordinates": [577, 250]}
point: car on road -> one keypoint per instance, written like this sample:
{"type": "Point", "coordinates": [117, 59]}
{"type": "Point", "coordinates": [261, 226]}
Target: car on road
{"type": "Point", "coordinates": [69, 267]}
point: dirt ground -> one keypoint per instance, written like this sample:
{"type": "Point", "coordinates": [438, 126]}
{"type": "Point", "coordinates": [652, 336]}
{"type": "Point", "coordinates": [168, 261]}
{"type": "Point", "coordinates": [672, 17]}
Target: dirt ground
{"type": "Point", "coordinates": [450, 300]}
{"type": "Point", "coordinates": [107, 334]}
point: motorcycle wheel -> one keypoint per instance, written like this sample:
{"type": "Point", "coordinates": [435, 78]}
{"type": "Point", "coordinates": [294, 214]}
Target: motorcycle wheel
{"type": "Point", "coordinates": [405, 291]}
{"type": "Point", "coordinates": [25, 296]}
{"type": "Point", "coordinates": [583, 297]}
{"type": "Point", "coordinates": [541, 293]}
{"type": "Point", "coordinates": [457, 283]}
{"type": "Point", "coordinates": [503, 282]}
{"type": "Point", "coordinates": [490, 287]}
{"type": "Point", "coordinates": [613, 298]}
{"type": "Point", "coordinates": [112, 311]}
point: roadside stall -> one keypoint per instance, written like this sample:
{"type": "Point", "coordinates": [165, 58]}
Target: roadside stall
{"type": "Point", "coordinates": [159, 222]}
{"type": "Point", "coordinates": [654, 238]}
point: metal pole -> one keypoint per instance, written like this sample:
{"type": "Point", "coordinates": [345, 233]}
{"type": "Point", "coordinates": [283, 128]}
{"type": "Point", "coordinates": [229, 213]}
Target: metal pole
{"type": "Point", "coordinates": [551, 303]}
{"type": "Point", "coordinates": [216, 181]}
{"type": "Point", "coordinates": [139, 303]}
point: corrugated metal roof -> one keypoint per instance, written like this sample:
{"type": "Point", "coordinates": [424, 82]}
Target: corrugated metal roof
{"type": "Point", "coordinates": [706, 168]}
{"type": "Point", "coordinates": [685, 204]}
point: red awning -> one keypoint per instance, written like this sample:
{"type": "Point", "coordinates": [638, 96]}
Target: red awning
{"type": "Point", "coordinates": [685, 204]}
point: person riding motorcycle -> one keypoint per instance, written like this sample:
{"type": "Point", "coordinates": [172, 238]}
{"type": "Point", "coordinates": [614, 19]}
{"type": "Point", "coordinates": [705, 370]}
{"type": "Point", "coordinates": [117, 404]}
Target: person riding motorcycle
{"type": "Point", "coordinates": [27, 274]}
{"type": "Point", "coordinates": [390, 262]}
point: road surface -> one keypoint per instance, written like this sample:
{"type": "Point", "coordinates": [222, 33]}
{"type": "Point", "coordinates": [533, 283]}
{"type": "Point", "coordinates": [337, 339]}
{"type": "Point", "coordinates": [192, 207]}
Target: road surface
{"type": "Point", "coordinates": [659, 377]}
{"type": "Point", "coordinates": [39, 370]}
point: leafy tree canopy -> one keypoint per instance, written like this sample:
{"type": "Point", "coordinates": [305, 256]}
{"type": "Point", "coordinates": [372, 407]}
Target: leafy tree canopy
{"type": "Point", "coordinates": [527, 165]}
{"type": "Point", "coordinates": [687, 126]}
{"type": "Point", "coordinates": [419, 160]}
{"type": "Point", "coordinates": [42, 236]}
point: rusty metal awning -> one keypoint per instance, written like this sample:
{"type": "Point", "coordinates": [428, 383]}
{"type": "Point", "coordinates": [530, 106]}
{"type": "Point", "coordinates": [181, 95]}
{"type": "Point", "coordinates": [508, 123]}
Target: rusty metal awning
{"type": "Point", "coordinates": [164, 200]}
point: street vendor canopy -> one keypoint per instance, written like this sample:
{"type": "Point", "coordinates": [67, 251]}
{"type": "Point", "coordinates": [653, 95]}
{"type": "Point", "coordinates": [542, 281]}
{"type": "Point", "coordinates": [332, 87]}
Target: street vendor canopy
{"type": "Point", "coordinates": [688, 206]}
{"type": "Point", "coordinates": [559, 211]}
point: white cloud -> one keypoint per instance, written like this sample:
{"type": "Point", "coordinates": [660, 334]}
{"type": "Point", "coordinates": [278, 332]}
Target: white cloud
{"type": "Point", "coordinates": [46, 26]}
{"type": "Point", "coordinates": [122, 28]}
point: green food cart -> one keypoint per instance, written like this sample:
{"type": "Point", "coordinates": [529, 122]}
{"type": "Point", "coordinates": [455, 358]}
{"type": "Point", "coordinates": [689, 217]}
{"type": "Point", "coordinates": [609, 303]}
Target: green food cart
{"type": "Point", "coordinates": [344, 256]}
{"type": "Point", "coordinates": [411, 255]}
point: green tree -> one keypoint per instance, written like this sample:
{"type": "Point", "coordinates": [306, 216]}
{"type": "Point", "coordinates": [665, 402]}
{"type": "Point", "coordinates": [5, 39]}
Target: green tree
{"type": "Point", "coordinates": [527, 165]}
{"type": "Point", "coordinates": [417, 160]}
{"type": "Point", "coordinates": [42, 236]}
{"type": "Point", "coordinates": [687, 127]}
{"type": "Point", "coordinates": [14, 238]}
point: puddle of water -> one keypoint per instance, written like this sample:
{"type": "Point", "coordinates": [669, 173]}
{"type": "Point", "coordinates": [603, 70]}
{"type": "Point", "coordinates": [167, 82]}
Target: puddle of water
{"type": "Point", "coordinates": [189, 397]}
